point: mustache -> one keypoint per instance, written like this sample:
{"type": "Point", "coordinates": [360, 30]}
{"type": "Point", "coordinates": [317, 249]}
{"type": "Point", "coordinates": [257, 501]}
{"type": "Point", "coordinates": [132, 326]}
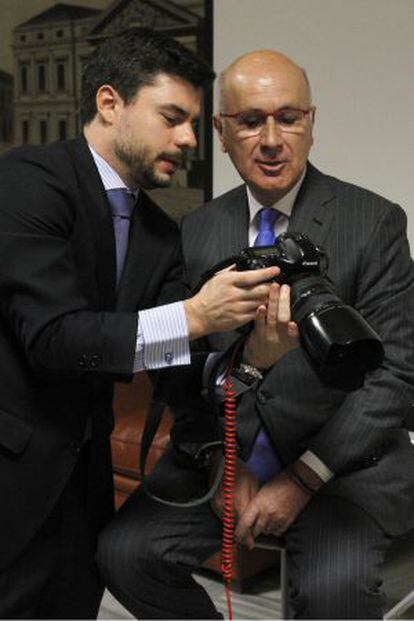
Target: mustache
{"type": "Point", "coordinates": [178, 157]}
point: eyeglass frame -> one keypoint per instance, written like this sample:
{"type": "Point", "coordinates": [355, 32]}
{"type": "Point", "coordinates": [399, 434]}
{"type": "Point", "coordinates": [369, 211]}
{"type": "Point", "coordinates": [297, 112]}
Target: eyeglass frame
{"type": "Point", "coordinates": [265, 115]}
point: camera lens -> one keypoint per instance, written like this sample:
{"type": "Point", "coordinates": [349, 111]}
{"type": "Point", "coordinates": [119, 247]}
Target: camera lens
{"type": "Point", "coordinates": [341, 344]}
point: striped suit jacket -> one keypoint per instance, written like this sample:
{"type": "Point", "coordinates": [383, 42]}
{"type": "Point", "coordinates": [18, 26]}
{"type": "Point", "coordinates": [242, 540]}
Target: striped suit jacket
{"type": "Point", "coordinates": [361, 434]}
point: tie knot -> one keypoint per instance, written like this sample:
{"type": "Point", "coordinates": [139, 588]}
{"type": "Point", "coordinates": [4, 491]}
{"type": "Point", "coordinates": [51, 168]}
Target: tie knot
{"type": "Point", "coordinates": [121, 201]}
{"type": "Point", "coordinates": [267, 218]}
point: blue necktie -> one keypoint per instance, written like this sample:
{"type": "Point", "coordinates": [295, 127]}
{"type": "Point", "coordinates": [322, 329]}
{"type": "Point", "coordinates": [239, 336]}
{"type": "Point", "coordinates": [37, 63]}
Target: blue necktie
{"type": "Point", "coordinates": [267, 218]}
{"type": "Point", "coordinates": [263, 461]}
{"type": "Point", "coordinates": [122, 204]}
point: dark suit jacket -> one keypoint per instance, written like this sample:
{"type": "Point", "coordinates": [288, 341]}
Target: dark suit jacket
{"type": "Point", "coordinates": [360, 435]}
{"type": "Point", "coordinates": [65, 333]}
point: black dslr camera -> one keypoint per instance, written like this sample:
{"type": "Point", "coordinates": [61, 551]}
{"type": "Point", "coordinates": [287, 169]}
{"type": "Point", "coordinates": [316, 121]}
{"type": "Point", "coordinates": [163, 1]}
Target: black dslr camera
{"type": "Point", "coordinates": [341, 344]}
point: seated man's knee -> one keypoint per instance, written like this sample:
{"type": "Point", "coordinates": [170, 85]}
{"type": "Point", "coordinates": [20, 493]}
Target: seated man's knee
{"type": "Point", "coordinates": [121, 553]}
{"type": "Point", "coordinates": [130, 549]}
{"type": "Point", "coordinates": [337, 594]}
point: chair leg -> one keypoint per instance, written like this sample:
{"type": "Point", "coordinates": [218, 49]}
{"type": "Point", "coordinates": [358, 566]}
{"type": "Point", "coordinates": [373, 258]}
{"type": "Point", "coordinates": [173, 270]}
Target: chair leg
{"type": "Point", "coordinates": [272, 543]}
{"type": "Point", "coordinates": [399, 608]}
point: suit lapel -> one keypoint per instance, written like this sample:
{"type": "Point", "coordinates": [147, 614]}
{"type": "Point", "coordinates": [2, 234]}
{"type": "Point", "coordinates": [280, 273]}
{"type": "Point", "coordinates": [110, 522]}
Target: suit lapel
{"type": "Point", "coordinates": [96, 208]}
{"type": "Point", "coordinates": [233, 235]}
{"type": "Point", "coordinates": [233, 231]}
{"type": "Point", "coordinates": [312, 213]}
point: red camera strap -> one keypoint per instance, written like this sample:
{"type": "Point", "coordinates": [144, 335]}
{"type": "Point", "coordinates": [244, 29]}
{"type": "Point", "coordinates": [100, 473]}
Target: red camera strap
{"type": "Point", "coordinates": [229, 477]}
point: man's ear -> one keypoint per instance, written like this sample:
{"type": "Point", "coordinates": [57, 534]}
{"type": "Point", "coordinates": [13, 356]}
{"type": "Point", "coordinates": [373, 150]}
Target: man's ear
{"type": "Point", "coordinates": [313, 115]}
{"type": "Point", "coordinates": [108, 102]}
{"type": "Point", "coordinates": [218, 125]}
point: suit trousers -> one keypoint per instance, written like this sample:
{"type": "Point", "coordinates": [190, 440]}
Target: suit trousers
{"type": "Point", "coordinates": [55, 577]}
{"type": "Point", "coordinates": [148, 552]}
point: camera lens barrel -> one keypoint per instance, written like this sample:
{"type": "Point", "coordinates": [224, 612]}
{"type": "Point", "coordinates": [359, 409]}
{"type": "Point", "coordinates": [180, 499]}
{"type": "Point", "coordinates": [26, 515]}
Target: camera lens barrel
{"type": "Point", "coordinates": [340, 342]}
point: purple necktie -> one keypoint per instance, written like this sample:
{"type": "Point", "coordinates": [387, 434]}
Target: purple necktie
{"type": "Point", "coordinates": [122, 204]}
{"type": "Point", "coordinates": [263, 461]}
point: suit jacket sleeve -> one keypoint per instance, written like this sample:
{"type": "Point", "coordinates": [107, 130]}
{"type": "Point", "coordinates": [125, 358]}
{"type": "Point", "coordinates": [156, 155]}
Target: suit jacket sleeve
{"type": "Point", "coordinates": [385, 297]}
{"type": "Point", "coordinates": [41, 300]}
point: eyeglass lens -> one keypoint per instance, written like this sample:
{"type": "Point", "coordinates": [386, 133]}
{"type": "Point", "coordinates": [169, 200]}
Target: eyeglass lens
{"type": "Point", "coordinates": [288, 120]}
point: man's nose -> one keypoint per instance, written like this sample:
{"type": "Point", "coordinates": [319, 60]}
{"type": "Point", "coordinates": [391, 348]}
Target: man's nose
{"type": "Point", "coordinates": [186, 136]}
{"type": "Point", "coordinates": [271, 136]}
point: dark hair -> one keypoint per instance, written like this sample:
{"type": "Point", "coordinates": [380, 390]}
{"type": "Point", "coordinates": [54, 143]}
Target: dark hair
{"type": "Point", "coordinates": [134, 59]}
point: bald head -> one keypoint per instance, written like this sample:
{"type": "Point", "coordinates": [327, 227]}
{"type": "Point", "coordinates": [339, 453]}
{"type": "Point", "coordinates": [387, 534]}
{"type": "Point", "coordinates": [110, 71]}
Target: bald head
{"type": "Point", "coordinates": [263, 69]}
{"type": "Point", "coordinates": [265, 123]}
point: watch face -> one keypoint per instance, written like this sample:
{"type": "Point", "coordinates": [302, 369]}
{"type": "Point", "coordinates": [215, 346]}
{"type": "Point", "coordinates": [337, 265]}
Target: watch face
{"type": "Point", "coordinates": [247, 374]}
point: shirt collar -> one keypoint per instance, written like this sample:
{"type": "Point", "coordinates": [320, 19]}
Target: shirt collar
{"type": "Point", "coordinates": [109, 176]}
{"type": "Point", "coordinates": [284, 205]}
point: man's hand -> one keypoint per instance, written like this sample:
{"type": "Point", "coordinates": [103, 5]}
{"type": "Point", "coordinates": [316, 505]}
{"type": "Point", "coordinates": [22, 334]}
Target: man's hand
{"type": "Point", "coordinates": [274, 334]}
{"type": "Point", "coordinates": [245, 489]}
{"type": "Point", "coordinates": [272, 510]}
{"type": "Point", "coordinates": [227, 301]}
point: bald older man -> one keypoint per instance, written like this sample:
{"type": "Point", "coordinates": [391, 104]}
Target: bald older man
{"type": "Point", "coordinates": [331, 470]}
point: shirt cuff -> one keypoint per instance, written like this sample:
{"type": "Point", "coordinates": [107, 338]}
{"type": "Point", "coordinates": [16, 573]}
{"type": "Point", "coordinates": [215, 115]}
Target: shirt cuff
{"type": "Point", "coordinates": [162, 338]}
{"type": "Point", "coordinates": [315, 464]}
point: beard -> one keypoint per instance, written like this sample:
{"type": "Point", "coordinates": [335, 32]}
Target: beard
{"type": "Point", "coordinates": [141, 165]}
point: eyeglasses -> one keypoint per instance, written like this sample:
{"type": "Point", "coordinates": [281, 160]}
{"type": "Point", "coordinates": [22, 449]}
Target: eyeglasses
{"type": "Point", "coordinates": [252, 122]}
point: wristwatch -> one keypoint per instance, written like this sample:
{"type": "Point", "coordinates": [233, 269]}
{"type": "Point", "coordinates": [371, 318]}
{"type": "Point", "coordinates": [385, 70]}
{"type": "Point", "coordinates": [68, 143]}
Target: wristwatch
{"type": "Point", "coordinates": [247, 374]}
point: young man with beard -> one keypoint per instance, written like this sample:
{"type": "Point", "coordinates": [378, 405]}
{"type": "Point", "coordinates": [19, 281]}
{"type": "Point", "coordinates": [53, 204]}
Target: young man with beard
{"type": "Point", "coordinates": [330, 470]}
{"type": "Point", "coordinates": [86, 256]}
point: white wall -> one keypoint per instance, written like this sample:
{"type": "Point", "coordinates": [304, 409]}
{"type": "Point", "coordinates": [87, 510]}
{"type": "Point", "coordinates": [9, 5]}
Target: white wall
{"type": "Point", "coordinates": [359, 56]}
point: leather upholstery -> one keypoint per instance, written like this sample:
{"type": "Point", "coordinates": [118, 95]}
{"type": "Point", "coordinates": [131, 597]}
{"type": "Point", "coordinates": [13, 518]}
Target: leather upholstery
{"type": "Point", "coordinates": [130, 415]}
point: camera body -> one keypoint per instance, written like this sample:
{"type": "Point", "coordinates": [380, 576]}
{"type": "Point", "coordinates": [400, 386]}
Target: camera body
{"type": "Point", "coordinates": [342, 346]}
{"type": "Point", "coordinates": [294, 253]}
